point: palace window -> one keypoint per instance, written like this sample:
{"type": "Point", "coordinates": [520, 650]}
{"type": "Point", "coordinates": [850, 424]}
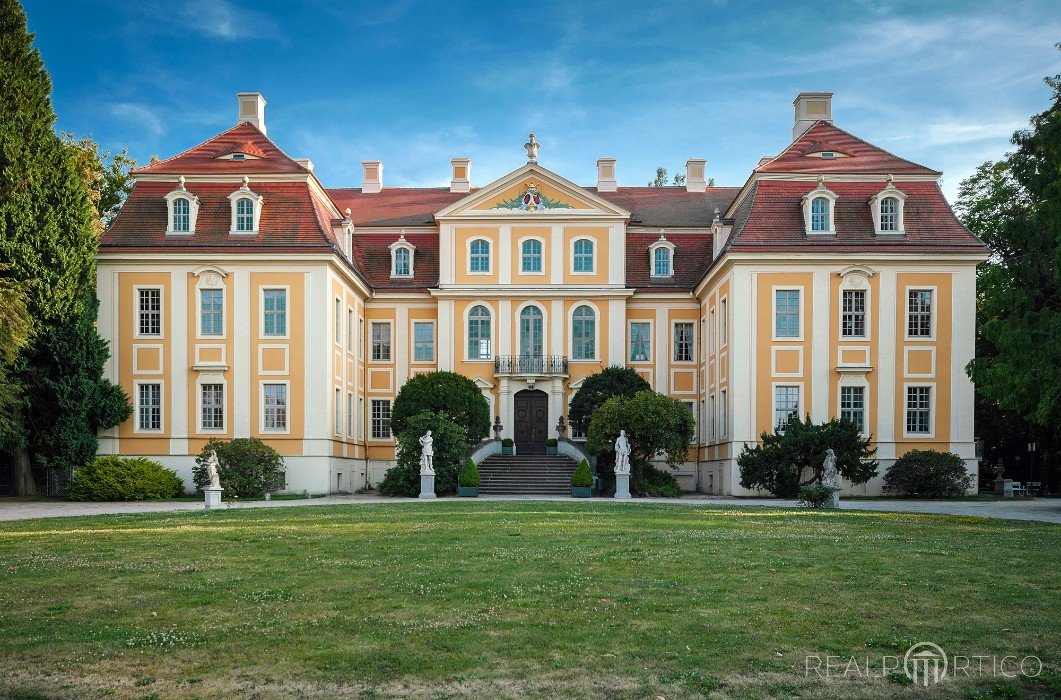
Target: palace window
{"type": "Point", "coordinates": [275, 403]}
{"type": "Point", "coordinates": [244, 215]}
{"type": "Point", "coordinates": [211, 312]}
{"type": "Point", "coordinates": [724, 304]}
{"type": "Point", "coordinates": [402, 254]}
{"type": "Point", "coordinates": [350, 414]}
{"type": "Point", "coordinates": [381, 341]}
{"type": "Point", "coordinates": [919, 313]}
{"type": "Point", "coordinates": [853, 406]}
{"type": "Point", "coordinates": [887, 208]}
{"type": "Point", "coordinates": [381, 419]}
{"type": "Point", "coordinates": [889, 214]}
{"type": "Point", "coordinates": [246, 210]}
{"type": "Point", "coordinates": [819, 212]}
{"type": "Point", "coordinates": [149, 407]}
{"type": "Point", "coordinates": [479, 333]}
{"type": "Point", "coordinates": [691, 406]}
{"type": "Point", "coordinates": [711, 420]}
{"type": "Point", "coordinates": [723, 420]}
{"type": "Point", "coordinates": [274, 318]}
{"type": "Point", "coordinates": [338, 419]}
{"type": "Point", "coordinates": [786, 404]}
{"type": "Point", "coordinates": [531, 256]}
{"type": "Point", "coordinates": [853, 322]}
{"type": "Point", "coordinates": [183, 209]}
{"type": "Point", "coordinates": [683, 342]}
{"type": "Point", "coordinates": [479, 252]}
{"type": "Point", "coordinates": [423, 342]}
{"type": "Point", "coordinates": [583, 256]}
{"type": "Point", "coordinates": [349, 329]}
{"type": "Point", "coordinates": [919, 410]}
{"type": "Point", "coordinates": [786, 313]}
{"type": "Point", "coordinates": [213, 406]}
{"type": "Point", "coordinates": [181, 215]}
{"type": "Point", "coordinates": [640, 341]}
{"type": "Point", "coordinates": [149, 311]}
{"type": "Point", "coordinates": [661, 257]}
{"type": "Point", "coordinates": [583, 334]}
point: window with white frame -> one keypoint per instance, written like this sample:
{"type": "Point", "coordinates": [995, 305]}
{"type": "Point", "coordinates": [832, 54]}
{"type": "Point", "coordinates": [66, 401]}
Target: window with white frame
{"type": "Point", "coordinates": [640, 341]}
{"type": "Point", "coordinates": [211, 312]}
{"type": "Point", "coordinates": [149, 311]}
{"type": "Point", "coordinates": [350, 414]}
{"type": "Point", "coordinates": [402, 263]}
{"type": "Point", "coordinates": [819, 211]}
{"type": "Point", "coordinates": [691, 406]}
{"type": "Point", "coordinates": [723, 311]}
{"type": "Point", "coordinates": [246, 210]}
{"type": "Point", "coordinates": [889, 214]}
{"type": "Point", "coordinates": [919, 410]}
{"type": "Point", "coordinates": [149, 407]}
{"type": "Point", "coordinates": [349, 329]}
{"type": "Point", "coordinates": [244, 215]}
{"type": "Point", "coordinates": [661, 262]}
{"type": "Point", "coordinates": [711, 418]}
{"type": "Point", "coordinates": [853, 319]}
{"type": "Point", "coordinates": [274, 312]}
{"type": "Point", "coordinates": [381, 419]}
{"type": "Point", "coordinates": [182, 211]}
{"type": "Point", "coordinates": [683, 342]}
{"type": "Point", "coordinates": [786, 404]}
{"type": "Point", "coordinates": [181, 215]}
{"type": "Point", "coordinates": [853, 406]}
{"type": "Point", "coordinates": [786, 313]}
{"type": "Point", "coordinates": [479, 252]}
{"type": "Point", "coordinates": [705, 420]}
{"type": "Point", "coordinates": [887, 209]}
{"type": "Point", "coordinates": [583, 256]}
{"type": "Point", "coordinates": [338, 422]}
{"type": "Point", "coordinates": [213, 406]}
{"type": "Point", "coordinates": [531, 256]}
{"type": "Point", "coordinates": [723, 417]}
{"type": "Point", "coordinates": [583, 334]}
{"type": "Point", "coordinates": [338, 316]}
{"type": "Point", "coordinates": [381, 341]}
{"type": "Point", "coordinates": [819, 214]}
{"type": "Point", "coordinates": [479, 333]}
{"type": "Point", "coordinates": [919, 313]}
{"type": "Point", "coordinates": [275, 405]}
{"type": "Point", "coordinates": [423, 341]}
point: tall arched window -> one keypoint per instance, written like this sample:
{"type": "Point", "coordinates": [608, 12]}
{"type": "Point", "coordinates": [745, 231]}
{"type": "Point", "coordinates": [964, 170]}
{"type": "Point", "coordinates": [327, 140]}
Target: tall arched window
{"type": "Point", "coordinates": [181, 214]}
{"type": "Point", "coordinates": [531, 256]}
{"type": "Point", "coordinates": [889, 214]}
{"type": "Point", "coordinates": [819, 214]}
{"type": "Point", "coordinates": [661, 263]}
{"type": "Point", "coordinates": [479, 333]}
{"type": "Point", "coordinates": [402, 266]}
{"type": "Point", "coordinates": [244, 214]}
{"type": "Point", "coordinates": [531, 332]}
{"type": "Point", "coordinates": [583, 334]}
{"type": "Point", "coordinates": [480, 256]}
{"type": "Point", "coordinates": [583, 260]}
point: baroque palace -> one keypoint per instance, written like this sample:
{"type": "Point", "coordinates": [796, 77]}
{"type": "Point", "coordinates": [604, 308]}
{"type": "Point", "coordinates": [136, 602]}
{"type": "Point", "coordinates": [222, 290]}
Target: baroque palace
{"type": "Point", "coordinates": [242, 297]}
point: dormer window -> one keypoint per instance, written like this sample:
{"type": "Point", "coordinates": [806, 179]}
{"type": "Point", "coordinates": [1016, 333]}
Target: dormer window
{"type": "Point", "coordinates": [828, 154]}
{"type": "Point", "coordinates": [238, 156]}
{"type": "Point", "coordinates": [887, 207]}
{"type": "Point", "coordinates": [819, 211]}
{"type": "Point", "coordinates": [402, 253]}
{"type": "Point", "coordinates": [661, 258]}
{"type": "Point", "coordinates": [182, 211]}
{"type": "Point", "coordinates": [246, 210]}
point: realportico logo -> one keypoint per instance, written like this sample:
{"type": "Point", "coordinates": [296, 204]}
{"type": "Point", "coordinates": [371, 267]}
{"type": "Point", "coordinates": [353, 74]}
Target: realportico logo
{"type": "Point", "coordinates": [924, 664]}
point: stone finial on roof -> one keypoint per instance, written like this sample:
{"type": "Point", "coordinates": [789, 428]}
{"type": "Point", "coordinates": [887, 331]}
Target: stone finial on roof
{"type": "Point", "coordinates": [180, 179]}
{"type": "Point", "coordinates": [718, 216]}
{"type": "Point", "coordinates": [532, 147]}
{"type": "Point", "coordinates": [246, 183]}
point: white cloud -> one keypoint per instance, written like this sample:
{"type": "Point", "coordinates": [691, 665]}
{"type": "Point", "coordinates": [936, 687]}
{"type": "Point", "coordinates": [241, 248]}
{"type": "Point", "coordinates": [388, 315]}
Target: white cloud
{"type": "Point", "coordinates": [138, 114]}
{"type": "Point", "coordinates": [217, 19]}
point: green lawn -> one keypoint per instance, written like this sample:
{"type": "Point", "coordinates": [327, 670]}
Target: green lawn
{"type": "Point", "coordinates": [515, 599]}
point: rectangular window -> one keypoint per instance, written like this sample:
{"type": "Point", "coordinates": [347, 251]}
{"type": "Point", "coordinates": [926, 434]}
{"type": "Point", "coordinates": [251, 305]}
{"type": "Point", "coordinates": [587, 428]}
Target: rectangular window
{"type": "Point", "coordinates": [423, 342]}
{"type": "Point", "coordinates": [640, 341]}
{"type": "Point", "coordinates": [360, 337]}
{"type": "Point", "coordinates": [381, 341]}
{"type": "Point", "coordinates": [919, 409]}
{"type": "Point", "coordinates": [691, 405]}
{"type": "Point", "coordinates": [711, 418]}
{"type": "Point", "coordinates": [725, 321]}
{"type": "Point", "coordinates": [149, 311]}
{"type": "Point", "coordinates": [381, 419]}
{"type": "Point", "coordinates": [786, 313]}
{"type": "Point", "coordinates": [213, 401]}
{"type": "Point", "coordinates": [919, 313]}
{"type": "Point", "coordinates": [723, 418]}
{"type": "Point", "coordinates": [349, 329]}
{"type": "Point", "coordinates": [350, 414]}
{"type": "Point", "coordinates": [275, 406]}
{"type": "Point", "coordinates": [480, 256]}
{"type": "Point", "coordinates": [683, 342]}
{"type": "Point", "coordinates": [532, 256]}
{"type": "Point", "coordinates": [149, 407]}
{"type": "Point", "coordinates": [853, 406]}
{"type": "Point", "coordinates": [211, 312]}
{"type": "Point", "coordinates": [786, 404]}
{"type": "Point", "coordinates": [711, 333]}
{"type": "Point", "coordinates": [338, 411]}
{"type": "Point", "coordinates": [853, 323]}
{"type": "Point", "coordinates": [274, 302]}
{"type": "Point", "coordinates": [338, 322]}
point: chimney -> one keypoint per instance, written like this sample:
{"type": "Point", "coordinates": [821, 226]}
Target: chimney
{"type": "Point", "coordinates": [461, 169]}
{"type": "Point", "coordinates": [606, 175]}
{"type": "Point", "coordinates": [251, 109]}
{"type": "Point", "coordinates": [695, 170]}
{"type": "Point", "coordinates": [373, 181]}
{"type": "Point", "coordinates": [305, 163]}
{"type": "Point", "coordinates": [811, 107]}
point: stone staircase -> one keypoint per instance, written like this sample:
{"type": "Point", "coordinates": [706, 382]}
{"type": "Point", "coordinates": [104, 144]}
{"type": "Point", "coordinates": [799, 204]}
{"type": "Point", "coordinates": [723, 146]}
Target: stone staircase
{"type": "Point", "coordinates": [534, 475]}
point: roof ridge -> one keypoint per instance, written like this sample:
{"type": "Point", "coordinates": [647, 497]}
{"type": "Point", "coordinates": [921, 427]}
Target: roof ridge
{"type": "Point", "coordinates": [215, 137]}
{"type": "Point", "coordinates": [883, 150]}
{"type": "Point", "coordinates": [188, 150]}
{"type": "Point", "coordinates": [861, 140]}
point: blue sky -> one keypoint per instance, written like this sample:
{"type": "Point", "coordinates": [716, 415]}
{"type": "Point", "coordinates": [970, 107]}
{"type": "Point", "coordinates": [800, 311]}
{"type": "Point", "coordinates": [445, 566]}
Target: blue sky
{"type": "Point", "coordinates": [414, 83]}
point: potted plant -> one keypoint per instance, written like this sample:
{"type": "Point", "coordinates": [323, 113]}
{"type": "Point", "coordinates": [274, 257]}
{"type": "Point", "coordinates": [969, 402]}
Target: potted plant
{"type": "Point", "coordinates": [508, 447]}
{"type": "Point", "coordinates": [582, 481]}
{"type": "Point", "coordinates": [468, 481]}
{"type": "Point", "coordinates": [550, 446]}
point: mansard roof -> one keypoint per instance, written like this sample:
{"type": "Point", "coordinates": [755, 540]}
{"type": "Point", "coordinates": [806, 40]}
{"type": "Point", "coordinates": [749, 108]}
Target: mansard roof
{"type": "Point", "coordinates": [206, 158]}
{"type": "Point", "coordinates": [853, 156]}
{"type": "Point", "coordinates": [691, 258]}
{"type": "Point", "coordinates": [373, 256]}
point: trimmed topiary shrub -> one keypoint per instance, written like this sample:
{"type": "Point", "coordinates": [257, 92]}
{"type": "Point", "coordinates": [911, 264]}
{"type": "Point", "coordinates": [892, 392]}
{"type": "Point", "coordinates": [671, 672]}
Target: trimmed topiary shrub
{"type": "Point", "coordinates": [582, 477]}
{"type": "Point", "coordinates": [469, 476]}
{"type": "Point", "coordinates": [814, 496]}
{"type": "Point", "coordinates": [112, 478]}
{"type": "Point", "coordinates": [450, 448]}
{"type": "Point", "coordinates": [443, 392]}
{"type": "Point", "coordinates": [928, 474]}
{"type": "Point", "coordinates": [654, 483]}
{"type": "Point", "coordinates": [247, 468]}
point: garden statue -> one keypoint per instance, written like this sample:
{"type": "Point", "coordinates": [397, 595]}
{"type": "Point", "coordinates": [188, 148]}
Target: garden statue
{"type": "Point", "coordinates": [211, 469]}
{"type": "Point", "coordinates": [622, 454]}
{"type": "Point", "coordinates": [427, 454]}
{"type": "Point", "coordinates": [831, 478]}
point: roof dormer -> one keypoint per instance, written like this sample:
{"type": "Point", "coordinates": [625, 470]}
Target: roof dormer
{"type": "Point", "coordinates": [182, 210]}
{"type": "Point", "coordinates": [246, 210]}
{"type": "Point", "coordinates": [887, 207]}
{"type": "Point", "coordinates": [402, 258]}
{"type": "Point", "coordinates": [661, 258]}
{"type": "Point", "coordinates": [819, 211]}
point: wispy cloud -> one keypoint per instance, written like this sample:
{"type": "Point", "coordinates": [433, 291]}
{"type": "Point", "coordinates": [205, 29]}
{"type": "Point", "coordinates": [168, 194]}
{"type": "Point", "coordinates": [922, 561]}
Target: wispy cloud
{"type": "Point", "coordinates": [215, 19]}
{"type": "Point", "coordinates": [140, 115]}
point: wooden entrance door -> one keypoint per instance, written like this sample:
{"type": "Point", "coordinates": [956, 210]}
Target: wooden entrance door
{"type": "Point", "coordinates": [531, 411]}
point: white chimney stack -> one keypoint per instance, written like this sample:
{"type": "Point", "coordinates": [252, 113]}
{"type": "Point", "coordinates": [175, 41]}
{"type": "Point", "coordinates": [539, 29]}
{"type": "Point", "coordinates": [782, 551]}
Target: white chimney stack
{"type": "Point", "coordinates": [811, 107]}
{"type": "Point", "coordinates": [251, 109]}
{"type": "Point", "coordinates": [373, 181]}
{"type": "Point", "coordinates": [695, 171]}
{"type": "Point", "coordinates": [305, 163]}
{"type": "Point", "coordinates": [461, 170]}
{"type": "Point", "coordinates": [606, 175]}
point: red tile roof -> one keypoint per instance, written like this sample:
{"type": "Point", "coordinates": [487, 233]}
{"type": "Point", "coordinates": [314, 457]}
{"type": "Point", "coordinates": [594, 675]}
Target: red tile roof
{"type": "Point", "coordinates": [394, 206]}
{"type": "Point", "coordinates": [692, 255]}
{"type": "Point", "coordinates": [243, 138]}
{"type": "Point", "coordinates": [862, 157]}
{"type": "Point", "coordinates": [670, 206]}
{"type": "Point", "coordinates": [372, 255]}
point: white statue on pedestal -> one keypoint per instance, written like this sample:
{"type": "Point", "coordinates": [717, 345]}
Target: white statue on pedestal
{"type": "Point", "coordinates": [211, 469]}
{"type": "Point", "coordinates": [622, 454]}
{"type": "Point", "coordinates": [830, 476]}
{"type": "Point", "coordinates": [427, 454]}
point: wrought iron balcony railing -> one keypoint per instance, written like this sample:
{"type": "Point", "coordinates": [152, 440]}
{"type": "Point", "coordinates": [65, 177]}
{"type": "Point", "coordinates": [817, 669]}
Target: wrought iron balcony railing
{"type": "Point", "coordinates": [539, 365]}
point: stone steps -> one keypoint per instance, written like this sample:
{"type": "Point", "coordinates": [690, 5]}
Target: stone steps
{"type": "Point", "coordinates": [526, 475]}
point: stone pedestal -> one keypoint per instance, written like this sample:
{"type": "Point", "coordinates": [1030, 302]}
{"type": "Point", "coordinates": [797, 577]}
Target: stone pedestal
{"type": "Point", "coordinates": [427, 485]}
{"type": "Point", "coordinates": [622, 486]}
{"type": "Point", "coordinates": [213, 496]}
{"type": "Point", "coordinates": [834, 499]}
{"type": "Point", "coordinates": [1004, 487]}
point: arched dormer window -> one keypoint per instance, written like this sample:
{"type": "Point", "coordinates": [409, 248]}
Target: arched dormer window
{"type": "Point", "coordinates": [246, 210]}
{"type": "Point", "coordinates": [661, 258]}
{"type": "Point", "coordinates": [402, 254]}
{"type": "Point", "coordinates": [819, 211]}
{"type": "Point", "coordinates": [887, 208]}
{"type": "Point", "coordinates": [182, 211]}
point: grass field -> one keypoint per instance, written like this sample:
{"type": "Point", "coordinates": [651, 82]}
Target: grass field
{"type": "Point", "coordinates": [517, 599]}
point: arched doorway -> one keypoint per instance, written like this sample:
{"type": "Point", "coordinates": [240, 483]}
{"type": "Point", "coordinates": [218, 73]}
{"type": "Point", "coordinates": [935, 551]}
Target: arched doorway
{"type": "Point", "coordinates": [531, 421]}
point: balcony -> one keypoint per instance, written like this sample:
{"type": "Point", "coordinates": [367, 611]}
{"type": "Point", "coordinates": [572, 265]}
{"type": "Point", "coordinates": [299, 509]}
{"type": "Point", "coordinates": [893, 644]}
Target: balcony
{"type": "Point", "coordinates": [531, 365]}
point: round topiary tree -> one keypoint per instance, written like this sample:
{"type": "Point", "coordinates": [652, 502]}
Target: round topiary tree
{"type": "Point", "coordinates": [928, 474]}
{"type": "Point", "coordinates": [450, 448]}
{"type": "Point", "coordinates": [247, 467]}
{"type": "Point", "coordinates": [598, 388]}
{"type": "Point", "coordinates": [443, 392]}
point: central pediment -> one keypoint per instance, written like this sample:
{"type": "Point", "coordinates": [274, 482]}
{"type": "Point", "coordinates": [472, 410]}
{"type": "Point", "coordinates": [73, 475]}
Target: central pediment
{"type": "Point", "coordinates": [529, 193]}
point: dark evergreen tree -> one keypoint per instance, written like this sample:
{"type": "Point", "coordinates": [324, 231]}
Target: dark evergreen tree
{"type": "Point", "coordinates": [598, 388]}
{"type": "Point", "coordinates": [443, 392]}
